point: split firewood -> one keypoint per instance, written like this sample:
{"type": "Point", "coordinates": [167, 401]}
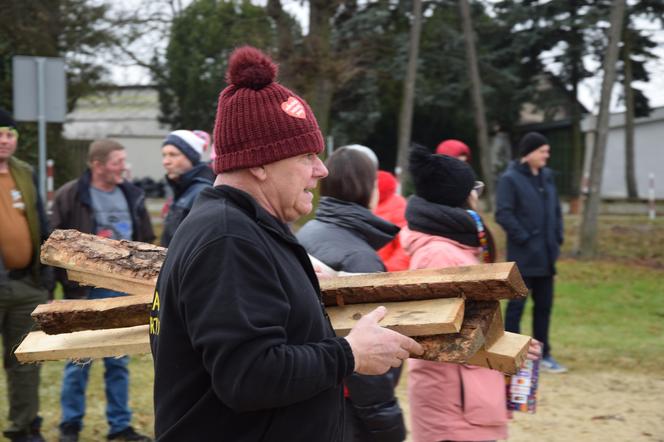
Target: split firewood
{"type": "Point", "coordinates": [126, 266]}
{"type": "Point", "coordinates": [426, 304]}
{"type": "Point", "coordinates": [506, 353]}
{"type": "Point", "coordinates": [133, 267]}
{"type": "Point", "coordinates": [73, 315]}
{"type": "Point", "coordinates": [459, 347]}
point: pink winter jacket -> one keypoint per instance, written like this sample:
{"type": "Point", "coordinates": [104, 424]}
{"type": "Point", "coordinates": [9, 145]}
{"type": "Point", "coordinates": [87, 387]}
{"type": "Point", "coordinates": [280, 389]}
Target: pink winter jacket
{"type": "Point", "coordinates": [451, 401]}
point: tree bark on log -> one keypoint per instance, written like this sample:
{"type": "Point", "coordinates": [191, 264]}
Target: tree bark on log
{"type": "Point", "coordinates": [460, 347]}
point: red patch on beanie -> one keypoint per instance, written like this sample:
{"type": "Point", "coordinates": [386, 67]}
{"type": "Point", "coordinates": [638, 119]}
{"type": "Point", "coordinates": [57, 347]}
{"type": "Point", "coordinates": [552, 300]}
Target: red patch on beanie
{"type": "Point", "coordinates": [258, 120]}
{"type": "Point", "coordinates": [387, 185]}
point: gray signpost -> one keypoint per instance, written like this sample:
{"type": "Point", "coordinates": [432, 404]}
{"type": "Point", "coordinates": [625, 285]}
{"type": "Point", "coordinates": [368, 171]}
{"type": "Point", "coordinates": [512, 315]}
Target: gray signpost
{"type": "Point", "coordinates": [40, 94]}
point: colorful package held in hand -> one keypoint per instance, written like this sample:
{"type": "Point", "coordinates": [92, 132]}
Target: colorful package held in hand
{"type": "Point", "coordinates": [522, 388]}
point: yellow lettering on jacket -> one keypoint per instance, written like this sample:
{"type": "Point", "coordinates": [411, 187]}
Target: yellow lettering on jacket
{"type": "Point", "coordinates": [154, 326]}
{"type": "Point", "coordinates": [155, 301]}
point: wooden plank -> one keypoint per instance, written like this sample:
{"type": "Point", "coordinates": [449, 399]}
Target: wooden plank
{"type": "Point", "coordinates": [479, 283]}
{"type": "Point", "coordinates": [111, 282]}
{"type": "Point", "coordinates": [73, 315]}
{"type": "Point", "coordinates": [411, 318]}
{"type": "Point", "coordinates": [38, 346]}
{"type": "Point", "coordinates": [507, 354]}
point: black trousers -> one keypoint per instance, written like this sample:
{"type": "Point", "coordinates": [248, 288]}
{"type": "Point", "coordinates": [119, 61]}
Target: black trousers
{"type": "Point", "coordinates": [541, 290]}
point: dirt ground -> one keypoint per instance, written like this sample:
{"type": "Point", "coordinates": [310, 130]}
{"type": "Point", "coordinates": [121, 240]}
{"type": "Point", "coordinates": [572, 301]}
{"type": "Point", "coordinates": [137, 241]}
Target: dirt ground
{"type": "Point", "coordinates": [601, 406]}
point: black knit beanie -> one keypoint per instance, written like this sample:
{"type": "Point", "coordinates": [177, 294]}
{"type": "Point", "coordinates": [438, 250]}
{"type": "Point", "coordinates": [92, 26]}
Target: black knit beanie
{"type": "Point", "coordinates": [440, 179]}
{"type": "Point", "coordinates": [6, 119]}
{"type": "Point", "coordinates": [531, 141]}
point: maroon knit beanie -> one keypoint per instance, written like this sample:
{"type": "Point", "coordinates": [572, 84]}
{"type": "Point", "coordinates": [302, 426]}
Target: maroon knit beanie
{"type": "Point", "coordinates": [258, 120]}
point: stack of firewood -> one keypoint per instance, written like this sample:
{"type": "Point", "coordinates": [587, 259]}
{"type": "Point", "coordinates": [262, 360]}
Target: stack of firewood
{"type": "Point", "coordinates": [454, 313]}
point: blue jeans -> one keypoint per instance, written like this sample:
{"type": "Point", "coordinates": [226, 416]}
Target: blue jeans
{"type": "Point", "coordinates": [116, 379]}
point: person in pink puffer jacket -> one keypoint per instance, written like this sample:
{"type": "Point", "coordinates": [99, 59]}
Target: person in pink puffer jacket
{"type": "Point", "coordinates": [449, 402]}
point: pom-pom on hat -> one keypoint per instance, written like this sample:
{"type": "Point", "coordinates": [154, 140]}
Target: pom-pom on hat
{"type": "Point", "coordinates": [6, 119]}
{"type": "Point", "coordinates": [440, 179]}
{"type": "Point", "coordinates": [530, 142]}
{"type": "Point", "coordinates": [258, 120]}
{"type": "Point", "coordinates": [387, 185]}
{"type": "Point", "coordinates": [189, 143]}
{"type": "Point", "coordinates": [453, 148]}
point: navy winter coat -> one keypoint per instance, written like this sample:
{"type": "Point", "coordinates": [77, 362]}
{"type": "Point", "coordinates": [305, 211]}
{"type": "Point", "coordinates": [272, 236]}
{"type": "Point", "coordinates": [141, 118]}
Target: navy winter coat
{"type": "Point", "coordinates": [528, 209]}
{"type": "Point", "coordinates": [185, 191]}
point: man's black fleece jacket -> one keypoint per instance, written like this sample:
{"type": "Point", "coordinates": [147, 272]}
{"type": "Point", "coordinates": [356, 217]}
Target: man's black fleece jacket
{"type": "Point", "coordinates": [242, 347]}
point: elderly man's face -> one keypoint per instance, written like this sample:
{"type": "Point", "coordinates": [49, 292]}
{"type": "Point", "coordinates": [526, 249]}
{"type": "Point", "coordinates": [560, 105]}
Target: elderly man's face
{"type": "Point", "coordinates": [290, 183]}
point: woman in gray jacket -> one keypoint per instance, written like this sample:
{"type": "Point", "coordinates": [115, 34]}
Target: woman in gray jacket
{"type": "Point", "coordinates": [345, 235]}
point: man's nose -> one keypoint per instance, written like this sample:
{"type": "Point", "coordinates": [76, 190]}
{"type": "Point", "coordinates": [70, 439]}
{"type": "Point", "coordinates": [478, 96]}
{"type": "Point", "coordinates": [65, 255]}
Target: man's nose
{"type": "Point", "coordinates": [320, 168]}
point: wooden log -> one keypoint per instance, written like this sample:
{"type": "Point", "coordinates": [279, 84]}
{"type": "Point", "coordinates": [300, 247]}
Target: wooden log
{"type": "Point", "coordinates": [460, 347]}
{"type": "Point", "coordinates": [507, 354]}
{"type": "Point", "coordinates": [94, 314]}
{"type": "Point", "coordinates": [92, 344]}
{"type": "Point", "coordinates": [410, 318]}
{"type": "Point", "coordinates": [127, 266]}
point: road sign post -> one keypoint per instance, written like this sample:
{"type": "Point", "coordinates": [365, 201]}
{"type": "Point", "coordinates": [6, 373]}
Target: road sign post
{"type": "Point", "coordinates": [40, 94]}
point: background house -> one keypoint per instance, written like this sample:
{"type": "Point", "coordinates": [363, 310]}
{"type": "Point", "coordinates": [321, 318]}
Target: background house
{"type": "Point", "coordinates": [648, 152]}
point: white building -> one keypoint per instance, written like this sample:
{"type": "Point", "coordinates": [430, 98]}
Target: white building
{"type": "Point", "coordinates": [648, 153]}
{"type": "Point", "coordinates": [128, 115]}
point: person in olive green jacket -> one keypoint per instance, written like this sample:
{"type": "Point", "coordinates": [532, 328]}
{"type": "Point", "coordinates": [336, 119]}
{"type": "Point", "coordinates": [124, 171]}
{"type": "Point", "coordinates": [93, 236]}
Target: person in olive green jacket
{"type": "Point", "coordinates": [23, 281]}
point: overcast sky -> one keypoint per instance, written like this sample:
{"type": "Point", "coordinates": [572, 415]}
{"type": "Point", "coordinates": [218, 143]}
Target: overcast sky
{"type": "Point", "coordinates": [589, 89]}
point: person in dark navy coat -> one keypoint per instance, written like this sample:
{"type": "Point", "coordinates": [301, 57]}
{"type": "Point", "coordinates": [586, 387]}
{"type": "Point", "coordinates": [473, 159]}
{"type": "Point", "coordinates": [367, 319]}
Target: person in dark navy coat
{"type": "Point", "coordinates": [528, 209]}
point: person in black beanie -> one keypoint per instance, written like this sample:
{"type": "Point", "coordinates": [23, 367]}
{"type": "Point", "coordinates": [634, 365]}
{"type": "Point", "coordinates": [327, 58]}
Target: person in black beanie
{"type": "Point", "coordinates": [451, 402]}
{"type": "Point", "coordinates": [528, 209]}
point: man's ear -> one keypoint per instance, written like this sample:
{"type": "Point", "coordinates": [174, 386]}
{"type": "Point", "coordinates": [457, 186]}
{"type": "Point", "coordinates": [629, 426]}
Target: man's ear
{"type": "Point", "coordinates": [258, 172]}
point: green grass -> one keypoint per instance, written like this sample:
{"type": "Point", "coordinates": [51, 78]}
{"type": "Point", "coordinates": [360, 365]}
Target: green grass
{"type": "Point", "coordinates": [608, 315]}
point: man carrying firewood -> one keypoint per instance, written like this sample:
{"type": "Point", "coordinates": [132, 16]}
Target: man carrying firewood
{"type": "Point", "coordinates": [101, 202]}
{"type": "Point", "coordinates": [242, 346]}
{"type": "Point", "coordinates": [23, 227]}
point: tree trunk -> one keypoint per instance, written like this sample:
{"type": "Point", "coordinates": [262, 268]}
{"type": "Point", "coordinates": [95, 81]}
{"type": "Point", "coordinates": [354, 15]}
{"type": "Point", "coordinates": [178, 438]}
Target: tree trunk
{"type": "Point", "coordinates": [408, 100]}
{"type": "Point", "coordinates": [630, 178]}
{"type": "Point", "coordinates": [576, 49]}
{"type": "Point", "coordinates": [478, 102]}
{"type": "Point", "coordinates": [285, 44]}
{"type": "Point", "coordinates": [319, 51]}
{"type": "Point", "coordinates": [588, 232]}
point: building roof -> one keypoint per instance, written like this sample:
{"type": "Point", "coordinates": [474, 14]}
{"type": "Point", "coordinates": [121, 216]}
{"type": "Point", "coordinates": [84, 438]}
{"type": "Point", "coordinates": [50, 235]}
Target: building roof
{"type": "Point", "coordinates": [617, 120]}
